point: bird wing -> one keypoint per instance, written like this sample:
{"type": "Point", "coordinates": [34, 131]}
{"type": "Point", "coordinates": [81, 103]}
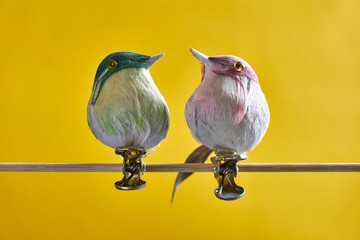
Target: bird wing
{"type": "Point", "coordinates": [199, 155]}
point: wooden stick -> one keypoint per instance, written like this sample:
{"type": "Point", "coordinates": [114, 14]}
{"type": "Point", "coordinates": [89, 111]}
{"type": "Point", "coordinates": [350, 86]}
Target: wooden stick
{"type": "Point", "coordinates": [175, 167]}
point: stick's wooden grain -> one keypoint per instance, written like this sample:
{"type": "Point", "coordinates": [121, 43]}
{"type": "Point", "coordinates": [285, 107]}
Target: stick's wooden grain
{"type": "Point", "coordinates": [176, 167]}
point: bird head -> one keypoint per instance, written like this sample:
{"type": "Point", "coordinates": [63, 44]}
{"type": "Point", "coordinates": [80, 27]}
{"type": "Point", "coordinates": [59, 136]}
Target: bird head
{"type": "Point", "coordinates": [226, 65]}
{"type": "Point", "coordinates": [118, 61]}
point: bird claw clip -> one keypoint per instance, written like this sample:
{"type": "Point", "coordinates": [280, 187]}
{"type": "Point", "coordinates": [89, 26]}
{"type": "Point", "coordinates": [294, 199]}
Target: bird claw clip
{"type": "Point", "coordinates": [133, 168]}
{"type": "Point", "coordinates": [225, 173]}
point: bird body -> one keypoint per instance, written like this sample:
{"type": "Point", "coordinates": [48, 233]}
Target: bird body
{"type": "Point", "coordinates": [125, 107]}
{"type": "Point", "coordinates": [214, 112]}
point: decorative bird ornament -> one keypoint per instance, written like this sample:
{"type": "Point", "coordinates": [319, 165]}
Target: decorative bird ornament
{"type": "Point", "coordinates": [229, 115]}
{"type": "Point", "coordinates": [127, 112]}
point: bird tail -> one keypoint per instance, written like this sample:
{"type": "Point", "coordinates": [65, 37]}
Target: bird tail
{"type": "Point", "coordinates": [199, 155]}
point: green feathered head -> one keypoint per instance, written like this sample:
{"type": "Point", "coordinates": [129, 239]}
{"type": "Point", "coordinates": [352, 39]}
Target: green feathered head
{"type": "Point", "coordinates": [116, 62]}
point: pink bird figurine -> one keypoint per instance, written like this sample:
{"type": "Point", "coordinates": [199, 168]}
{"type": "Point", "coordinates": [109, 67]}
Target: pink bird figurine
{"type": "Point", "coordinates": [229, 115]}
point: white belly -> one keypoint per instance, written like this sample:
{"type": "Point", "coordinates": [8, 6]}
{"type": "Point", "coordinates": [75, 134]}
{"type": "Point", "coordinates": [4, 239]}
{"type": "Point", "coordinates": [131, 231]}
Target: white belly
{"type": "Point", "coordinates": [210, 114]}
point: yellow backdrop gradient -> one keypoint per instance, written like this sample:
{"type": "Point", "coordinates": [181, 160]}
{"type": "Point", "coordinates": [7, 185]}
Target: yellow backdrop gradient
{"type": "Point", "coordinates": [306, 55]}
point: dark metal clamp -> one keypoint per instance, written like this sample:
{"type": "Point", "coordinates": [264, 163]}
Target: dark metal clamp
{"type": "Point", "coordinates": [133, 168]}
{"type": "Point", "coordinates": [225, 173]}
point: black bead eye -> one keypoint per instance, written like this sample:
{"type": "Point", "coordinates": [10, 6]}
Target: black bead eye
{"type": "Point", "coordinates": [238, 66]}
{"type": "Point", "coordinates": [112, 65]}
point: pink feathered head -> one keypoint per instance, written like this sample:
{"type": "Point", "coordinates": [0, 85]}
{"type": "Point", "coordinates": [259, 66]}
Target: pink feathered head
{"type": "Point", "coordinates": [229, 65]}
{"type": "Point", "coordinates": [234, 66]}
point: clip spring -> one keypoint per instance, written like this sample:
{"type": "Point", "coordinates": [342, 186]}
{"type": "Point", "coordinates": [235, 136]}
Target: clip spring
{"type": "Point", "coordinates": [225, 173]}
{"type": "Point", "coordinates": [133, 168]}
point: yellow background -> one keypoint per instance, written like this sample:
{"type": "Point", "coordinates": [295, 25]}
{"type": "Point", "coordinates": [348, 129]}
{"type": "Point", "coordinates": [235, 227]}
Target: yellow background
{"type": "Point", "coordinates": [306, 55]}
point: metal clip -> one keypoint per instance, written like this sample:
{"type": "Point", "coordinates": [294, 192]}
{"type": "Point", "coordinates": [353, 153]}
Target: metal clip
{"type": "Point", "coordinates": [133, 168]}
{"type": "Point", "coordinates": [225, 173]}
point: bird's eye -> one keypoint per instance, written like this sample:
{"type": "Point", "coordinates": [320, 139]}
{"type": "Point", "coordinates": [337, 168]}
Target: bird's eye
{"type": "Point", "coordinates": [238, 66]}
{"type": "Point", "coordinates": [112, 65]}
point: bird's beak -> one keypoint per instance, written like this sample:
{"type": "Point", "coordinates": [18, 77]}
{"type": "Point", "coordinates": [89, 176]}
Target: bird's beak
{"type": "Point", "coordinates": [154, 59]}
{"type": "Point", "coordinates": [201, 57]}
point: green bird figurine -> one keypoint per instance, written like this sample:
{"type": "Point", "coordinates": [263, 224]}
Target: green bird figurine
{"type": "Point", "coordinates": [127, 112]}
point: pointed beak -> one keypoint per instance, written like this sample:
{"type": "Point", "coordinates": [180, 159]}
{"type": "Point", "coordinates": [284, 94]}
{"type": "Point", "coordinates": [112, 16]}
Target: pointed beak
{"type": "Point", "coordinates": [154, 59]}
{"type": "Point", "coordinates": [201, 57]}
